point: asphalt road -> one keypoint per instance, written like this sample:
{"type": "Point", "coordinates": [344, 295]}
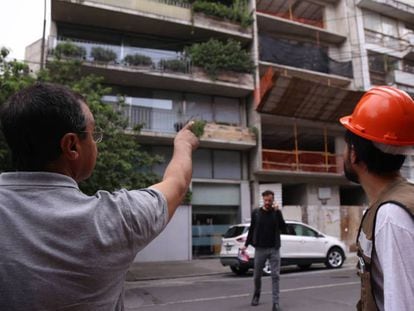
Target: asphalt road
{"type": "Point", "coordinates": [318, 289]}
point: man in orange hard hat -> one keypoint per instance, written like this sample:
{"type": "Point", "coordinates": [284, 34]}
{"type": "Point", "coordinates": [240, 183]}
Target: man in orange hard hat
{"type": "Point", "coordinates": [380, 132]}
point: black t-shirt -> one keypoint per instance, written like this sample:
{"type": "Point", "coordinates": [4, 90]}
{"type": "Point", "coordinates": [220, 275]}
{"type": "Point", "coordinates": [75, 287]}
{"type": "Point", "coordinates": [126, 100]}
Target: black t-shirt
{"type": "Point", "coordinates": [265, 228]}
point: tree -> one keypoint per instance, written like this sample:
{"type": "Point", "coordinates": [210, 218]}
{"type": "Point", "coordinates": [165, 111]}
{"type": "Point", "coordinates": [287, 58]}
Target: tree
{"type": "Point", "coordinates": [14, 76]}
{"type": "Point", "coordinates": [121, 161]}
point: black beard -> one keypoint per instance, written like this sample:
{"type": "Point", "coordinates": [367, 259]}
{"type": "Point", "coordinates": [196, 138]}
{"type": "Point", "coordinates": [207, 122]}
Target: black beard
{"type": "Point", "coordinates": [350, 174]}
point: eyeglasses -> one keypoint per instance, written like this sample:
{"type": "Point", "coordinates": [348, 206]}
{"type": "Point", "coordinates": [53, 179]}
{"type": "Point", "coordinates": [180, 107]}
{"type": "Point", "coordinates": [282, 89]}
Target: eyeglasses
{"type": "Point", "coordinates": [97, 134]}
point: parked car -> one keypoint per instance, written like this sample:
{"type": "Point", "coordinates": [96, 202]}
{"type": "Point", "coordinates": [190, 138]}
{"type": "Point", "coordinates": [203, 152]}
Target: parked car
{"type": "Point", "coordinates": [302, 246]}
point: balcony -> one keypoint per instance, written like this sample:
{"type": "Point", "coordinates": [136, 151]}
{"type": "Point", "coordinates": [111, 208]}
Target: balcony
{"type": "Point", "coordinates": [153, 68]}
{"type": "Point", "coordinates": [159, 126]}
{"type": "Point", "coordinates": [398, 9]}
{"type": "Point", "coordinates": [404, 79]}
{"type": "Point", "coordinates": [279, 22]}
{"type": "Point", "coordinates": [396, 46]}
{"type": "Point", "coordinates": [167, 18]}
{"type": "Point", "coordinates": [302, 161]}
{"type": "Point", "coordinates": [306, 166]}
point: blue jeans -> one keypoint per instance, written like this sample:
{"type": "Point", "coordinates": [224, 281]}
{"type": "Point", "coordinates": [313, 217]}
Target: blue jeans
{"type": "Point", "coordinates": [260, 257]}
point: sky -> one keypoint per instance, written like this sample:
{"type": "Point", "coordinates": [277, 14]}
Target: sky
{"type": "Point", "coordinates": [21, 23]}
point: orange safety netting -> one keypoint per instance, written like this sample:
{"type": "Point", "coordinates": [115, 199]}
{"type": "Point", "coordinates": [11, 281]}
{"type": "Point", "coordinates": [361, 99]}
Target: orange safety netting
{"type": "Point", "coordinates": [308, 161]}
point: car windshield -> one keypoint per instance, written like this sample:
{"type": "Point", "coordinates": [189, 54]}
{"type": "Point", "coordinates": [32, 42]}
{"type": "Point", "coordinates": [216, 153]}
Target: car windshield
{"type": "Point", "coordinates": [235, 231]}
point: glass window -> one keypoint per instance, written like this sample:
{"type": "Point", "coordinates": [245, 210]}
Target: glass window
{"type": "Point", "coordinates": [227, 164]}
{"type": "Point", "coordinates": [199, 107]}
{"type": "Point", "coordinates": [166, 153]}
{"type": "Point", "coordinates": [202, 164]}
{"type": "Point", "coordinates": [389, 26]}
{"type": "Point", "coordinates": [371, 21]}
{"type": "Point", "coordinates": [235, 231]}
{"type": "Point", "coordinates": [304, 231]}
{"type": "Point", "coordinates": [227, 110]}
{"type": "Point", "coordinates": [290, 230]}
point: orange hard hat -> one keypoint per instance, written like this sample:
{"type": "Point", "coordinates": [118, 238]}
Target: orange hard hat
{"type": "Point", "coordinates": [384, 114]}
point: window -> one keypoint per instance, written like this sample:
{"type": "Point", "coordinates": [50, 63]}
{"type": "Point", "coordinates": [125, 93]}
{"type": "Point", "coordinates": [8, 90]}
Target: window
{"type": "Point", "coordinates": [304, 231]}
{"type": "Point", "coordinates": [227, 110]}
{"type": "Point", "coordinates": [218, 164]}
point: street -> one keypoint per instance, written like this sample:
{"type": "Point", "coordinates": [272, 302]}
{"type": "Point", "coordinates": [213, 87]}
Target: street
{"type": "Point", "coordinates": [318, 289]}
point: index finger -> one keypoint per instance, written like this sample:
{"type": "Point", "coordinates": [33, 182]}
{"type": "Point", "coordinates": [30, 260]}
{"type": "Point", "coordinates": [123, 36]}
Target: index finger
{"type": "Point", "coordinates": [189, 125]}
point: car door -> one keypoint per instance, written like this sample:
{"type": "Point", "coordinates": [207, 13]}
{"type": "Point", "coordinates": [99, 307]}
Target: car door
{"type": "Point", "coordinates": [312, 244]}
{"type": "Point", "coordinates": [291, 243]}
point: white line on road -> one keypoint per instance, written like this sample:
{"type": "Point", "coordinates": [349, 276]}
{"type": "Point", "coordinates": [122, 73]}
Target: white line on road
{"type": "Point", "coordinates": [247, 295]}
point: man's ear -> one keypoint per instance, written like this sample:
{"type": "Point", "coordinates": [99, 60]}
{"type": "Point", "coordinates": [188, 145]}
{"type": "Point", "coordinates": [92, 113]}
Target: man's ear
{"type": "Point", "coordinates": [353, 156]}
{"type": "Point", "coordinates": [70, 146]}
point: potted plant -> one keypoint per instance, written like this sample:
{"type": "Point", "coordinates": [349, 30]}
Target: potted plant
{"type": "Point", "coordinates": [176, 65]}
{"type": "Point", "coordinates": [104, 55]}
{"type": "Point", "coordinates": [215, 56]}
{"type": "Point", "coordinates": [68, 49]}
{"type": "Point", "coordinates": [238, 12]}
{"type": "Point", "coordinates": [138, 60]}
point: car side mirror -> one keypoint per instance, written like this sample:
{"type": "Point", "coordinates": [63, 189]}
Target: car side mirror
{"type": "Point", "coordinates": [320, 235]}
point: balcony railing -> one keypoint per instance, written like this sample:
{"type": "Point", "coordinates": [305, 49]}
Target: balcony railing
{"type": "Point", "coordinates": [301, 55]}
{"type": "Point", "coordinates": [302, 161]}
{"type": "Point", "coordinates": [386, 40]}
{"type": "Point", "coordinates": [152, 59]}
{"type": "Point", "coordinates": [154, 119]}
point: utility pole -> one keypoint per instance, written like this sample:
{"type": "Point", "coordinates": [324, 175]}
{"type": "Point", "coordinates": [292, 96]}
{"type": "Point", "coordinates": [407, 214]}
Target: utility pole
{"type": "Point", "coordinates": [42, 54]}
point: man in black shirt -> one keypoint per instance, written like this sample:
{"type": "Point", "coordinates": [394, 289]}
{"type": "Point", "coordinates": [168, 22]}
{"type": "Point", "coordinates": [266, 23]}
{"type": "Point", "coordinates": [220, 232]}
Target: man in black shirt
{"type": "Point", "coordinates": [264, 234]}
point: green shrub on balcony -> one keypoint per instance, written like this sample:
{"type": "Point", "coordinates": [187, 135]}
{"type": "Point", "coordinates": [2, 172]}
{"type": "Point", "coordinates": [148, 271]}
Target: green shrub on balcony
{"type": "Point", "coordinates": [70, 50]}
{"type": "Point", "coordinates": [215, 56]}
{"type": "Point", "coordinates": [238, 12]}
{"type": "Point", "coordinates": [138, 60]}
{"type": "Point", "coordinates": [100, 54]}
{"type": "Point", "coordinates": [198, 127]}
{"type": "Point", "coordinates": [177, 65]}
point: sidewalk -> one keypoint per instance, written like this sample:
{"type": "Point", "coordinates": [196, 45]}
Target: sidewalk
{"type": "Point", "coordinates": [140, 271]}
{"type": "Point", "coordinates": [143, 271]}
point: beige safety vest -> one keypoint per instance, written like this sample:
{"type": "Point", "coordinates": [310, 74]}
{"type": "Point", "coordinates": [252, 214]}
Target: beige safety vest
{"type": "Point", "coordinates": [401, 193]}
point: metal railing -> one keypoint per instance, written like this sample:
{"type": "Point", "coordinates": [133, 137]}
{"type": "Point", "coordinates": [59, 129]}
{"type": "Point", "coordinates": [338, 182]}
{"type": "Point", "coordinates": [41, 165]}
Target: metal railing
{"type": "Point", "coordinates": [302, 161]}
{"type": "Point", "coordinates": [135, 3]}
{"type": "Point", "coordinates": [384, 40]}
{"type": "Point", "coordinates": [160, 60]}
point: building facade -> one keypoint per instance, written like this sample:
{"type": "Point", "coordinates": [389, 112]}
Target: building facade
{"type": "Point", "coordinates": [274, 126]}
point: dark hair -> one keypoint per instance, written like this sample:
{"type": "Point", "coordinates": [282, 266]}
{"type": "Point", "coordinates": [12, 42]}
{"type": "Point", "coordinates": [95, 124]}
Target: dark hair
{"type": "Point", "coordinates": [268, 192]}
{"type": "Point", "coordinates": [35, 119]}
{"type": "Point", "coordinates": [377, 162]}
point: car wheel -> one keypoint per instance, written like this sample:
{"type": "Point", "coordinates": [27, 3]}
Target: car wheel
{"type": "Point", "coordinates": [266, 269]}
{"type": "Point", "coordinates": [305, 266]}
{"type": "Point", "coordinates": [335, 258]}
{"type": "Point", "coordinates": [239, 270]}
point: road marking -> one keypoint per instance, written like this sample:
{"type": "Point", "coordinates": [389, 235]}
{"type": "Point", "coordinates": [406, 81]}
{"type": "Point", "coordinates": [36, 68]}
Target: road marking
{"type": "Point", "coordinates": [247, 295]}
{"type": "Point", "coordinates": [219, 278]}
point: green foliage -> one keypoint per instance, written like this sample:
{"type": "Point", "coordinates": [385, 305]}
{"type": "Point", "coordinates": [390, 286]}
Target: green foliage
{"type": "Point", "coordinates": [215, 56]}
{"type": "Point", "coordinates": [100, 54]}
{"type": "Point", "coordinates": [121, 162]}
{"type": "Point", "coordinates": [14, 76]}
{"type": "Point", "coordinates": [177, 65]}
{"type": "Point", "coordinates": [198, 127]}
{"type": "Point", "coordinates": [237, 12]}
{"type": "Point", "coordinates": [69, 49]}
{"type": "Point", "coordinates": [254, 130]}
{"type": "Point", "coordinates": [188, 197]}
{"type": "Point", "coordinates": [138, 60]}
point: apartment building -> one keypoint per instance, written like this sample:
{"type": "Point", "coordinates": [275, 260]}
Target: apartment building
{"type": "Point", "coordinates": [386, 30]}
{"type": "Point", "coordinates": [274, 128]}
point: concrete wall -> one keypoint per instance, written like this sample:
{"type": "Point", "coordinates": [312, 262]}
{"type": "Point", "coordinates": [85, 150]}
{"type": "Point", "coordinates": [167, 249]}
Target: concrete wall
{"type": "Point", "coordinates": [174, 243]}
{"type": "Point", "coordinates": [324, 215]}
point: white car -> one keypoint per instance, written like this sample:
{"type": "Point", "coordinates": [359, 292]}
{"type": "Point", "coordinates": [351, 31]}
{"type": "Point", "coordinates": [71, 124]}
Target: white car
{"type": "Point", "coordinates": [302, 246]}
